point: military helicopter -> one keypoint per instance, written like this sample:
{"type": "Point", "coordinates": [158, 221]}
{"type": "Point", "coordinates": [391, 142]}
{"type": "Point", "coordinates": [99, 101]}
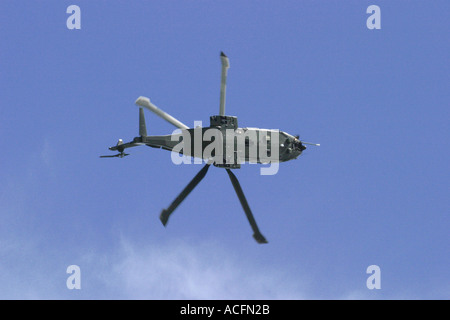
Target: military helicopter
{"type": "Point", "coordinates": [276, 146]}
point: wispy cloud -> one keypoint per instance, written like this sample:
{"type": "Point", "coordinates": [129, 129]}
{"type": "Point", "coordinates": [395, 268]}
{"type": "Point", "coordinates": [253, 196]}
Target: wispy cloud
{"type": "Point", "coordinates": [204, 271]}
{"type": "Point", "coordinates": [177, 270]}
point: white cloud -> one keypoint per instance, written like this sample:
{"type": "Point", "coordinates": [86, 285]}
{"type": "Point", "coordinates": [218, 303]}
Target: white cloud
{"type": "Point", "coordinates": [206, 271]}
{"type": "Point", "coordinates": [178, 270]}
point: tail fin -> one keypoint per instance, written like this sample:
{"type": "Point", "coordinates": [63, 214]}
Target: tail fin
{"type": "Point", "coordinates": [142, 126]}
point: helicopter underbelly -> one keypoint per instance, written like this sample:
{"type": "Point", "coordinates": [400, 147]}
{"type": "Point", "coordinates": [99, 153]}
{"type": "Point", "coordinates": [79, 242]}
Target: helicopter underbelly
{"type": "Point", "coordinates": [235, 147]}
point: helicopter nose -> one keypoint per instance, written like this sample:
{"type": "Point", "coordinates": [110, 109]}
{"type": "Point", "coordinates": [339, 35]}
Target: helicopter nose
{"type": "Point", "coordinates": [299, 145]}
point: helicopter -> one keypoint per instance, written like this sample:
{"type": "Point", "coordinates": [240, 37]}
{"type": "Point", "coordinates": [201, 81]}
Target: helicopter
{"type": "Point", "coordinates": [229, 146]}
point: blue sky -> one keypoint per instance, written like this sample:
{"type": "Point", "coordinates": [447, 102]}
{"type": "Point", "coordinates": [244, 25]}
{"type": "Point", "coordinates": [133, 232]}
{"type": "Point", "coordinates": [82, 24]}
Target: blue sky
{"type": "Point", "coordinates": [375, 192]}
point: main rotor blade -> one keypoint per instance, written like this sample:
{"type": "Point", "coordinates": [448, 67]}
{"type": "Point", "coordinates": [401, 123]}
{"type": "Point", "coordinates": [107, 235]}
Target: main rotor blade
{"type": "Point", "coordinates": [223, 82]}
{"type": "Point", "coordinates": [165, 214]}
{"type": "Point", "coordinates": [237, 187]}
{"type": "Point", "coordinates": [145, 102]}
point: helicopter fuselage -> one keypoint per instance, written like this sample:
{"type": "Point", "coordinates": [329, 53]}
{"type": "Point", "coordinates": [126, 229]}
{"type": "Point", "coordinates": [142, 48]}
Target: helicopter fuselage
{"type": "Point", "coordinates": [225, 144]}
